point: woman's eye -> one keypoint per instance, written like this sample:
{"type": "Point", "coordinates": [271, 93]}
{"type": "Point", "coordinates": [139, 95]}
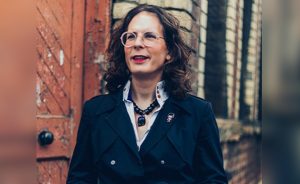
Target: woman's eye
{"type": "Point", "coordinates": [130, 36]}
{"type": "Point", "coordinates": [149, 36]}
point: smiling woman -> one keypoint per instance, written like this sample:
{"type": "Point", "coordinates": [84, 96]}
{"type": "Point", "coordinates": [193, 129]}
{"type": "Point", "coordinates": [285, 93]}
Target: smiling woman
{"type": "Point", "coordinates": [148, 129]}
{"type": "Point", "coordinates": [176, 71]}
{"type": "Point", "coordinates": [144, 59]}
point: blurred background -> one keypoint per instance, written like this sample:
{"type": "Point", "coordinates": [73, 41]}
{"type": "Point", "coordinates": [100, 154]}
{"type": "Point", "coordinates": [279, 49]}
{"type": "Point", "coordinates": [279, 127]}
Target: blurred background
{"type": "Point", "coordinates": [281, 91]}
{"type": "Point", "coordinates": [68, 49]}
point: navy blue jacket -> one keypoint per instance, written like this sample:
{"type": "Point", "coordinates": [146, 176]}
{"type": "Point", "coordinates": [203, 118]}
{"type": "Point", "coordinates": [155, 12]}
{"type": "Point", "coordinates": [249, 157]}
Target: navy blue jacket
{"type": "Point", "coordinates": [183, 150]}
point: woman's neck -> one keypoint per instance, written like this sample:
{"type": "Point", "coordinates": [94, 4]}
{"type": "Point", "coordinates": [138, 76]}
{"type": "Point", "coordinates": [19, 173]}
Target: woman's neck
{"type": "Point", "coordinates": [143, 91]}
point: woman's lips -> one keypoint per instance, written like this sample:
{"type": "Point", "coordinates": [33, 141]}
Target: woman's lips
{"type": "Point", "coordinates": [139, 59]}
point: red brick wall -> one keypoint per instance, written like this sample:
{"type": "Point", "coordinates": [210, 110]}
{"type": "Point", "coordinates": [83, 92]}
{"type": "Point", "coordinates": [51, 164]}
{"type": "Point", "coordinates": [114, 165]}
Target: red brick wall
{"type": "Point", "coordinates": [242, 160]}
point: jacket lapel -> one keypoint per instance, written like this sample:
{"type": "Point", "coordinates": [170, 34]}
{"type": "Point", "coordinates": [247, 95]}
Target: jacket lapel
{"type": "Point", "coordinates": [120, 122]}
{"type": "Point", "coordinates": [167, 117]}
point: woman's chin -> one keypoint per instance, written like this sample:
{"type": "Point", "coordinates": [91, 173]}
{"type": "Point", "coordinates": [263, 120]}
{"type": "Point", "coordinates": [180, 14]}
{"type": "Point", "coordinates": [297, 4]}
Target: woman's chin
{"type": "Point", "coordinates": [145, 74]}
{"type": "Point", "coordinates": [139, 73]}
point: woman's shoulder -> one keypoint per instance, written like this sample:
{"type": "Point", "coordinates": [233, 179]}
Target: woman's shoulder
{"type": "Point", "coordinates": [100, 103]}
{"type": "Point", "coordinates": [193, 104]}
{"type": "Point", "coordinates": [197, 101]}
{"type": "Point", "coordinates": [99, 98]}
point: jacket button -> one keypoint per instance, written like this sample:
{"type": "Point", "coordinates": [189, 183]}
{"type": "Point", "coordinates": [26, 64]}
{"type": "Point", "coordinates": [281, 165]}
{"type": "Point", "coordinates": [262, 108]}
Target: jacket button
{"type": "Point", "coordinates": [112, 162]}
{"type": "Point", "coordinates": [162, 162]}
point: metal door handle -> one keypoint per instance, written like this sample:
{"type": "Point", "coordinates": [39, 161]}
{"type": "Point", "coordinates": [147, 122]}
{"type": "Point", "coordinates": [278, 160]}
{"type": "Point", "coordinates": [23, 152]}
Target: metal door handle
{"type": "Point", "coordinates": [45, 137]}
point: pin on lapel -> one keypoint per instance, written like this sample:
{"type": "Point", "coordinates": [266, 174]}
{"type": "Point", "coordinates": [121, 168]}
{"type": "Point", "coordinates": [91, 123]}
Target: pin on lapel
{"type": "Point", "coordinates": [170, 117]}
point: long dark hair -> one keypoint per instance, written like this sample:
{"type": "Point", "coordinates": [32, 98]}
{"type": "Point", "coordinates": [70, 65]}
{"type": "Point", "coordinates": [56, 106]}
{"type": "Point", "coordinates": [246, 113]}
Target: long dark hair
{"type": "Point", "coordinates": [176, 73]}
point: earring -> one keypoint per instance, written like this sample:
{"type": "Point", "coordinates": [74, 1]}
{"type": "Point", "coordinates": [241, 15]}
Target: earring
{"type": "Point", "coordinates": [168, 57]}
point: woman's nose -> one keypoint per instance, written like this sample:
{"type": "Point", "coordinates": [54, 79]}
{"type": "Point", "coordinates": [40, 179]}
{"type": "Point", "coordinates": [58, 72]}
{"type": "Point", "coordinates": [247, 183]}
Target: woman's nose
{"type": "Point", "coordinates": [139, 42]}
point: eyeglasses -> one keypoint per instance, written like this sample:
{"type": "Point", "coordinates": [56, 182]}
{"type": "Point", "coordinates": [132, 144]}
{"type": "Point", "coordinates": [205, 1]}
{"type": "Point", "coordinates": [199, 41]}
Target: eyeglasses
{"type": "Point", "coordinates": [149, 39]}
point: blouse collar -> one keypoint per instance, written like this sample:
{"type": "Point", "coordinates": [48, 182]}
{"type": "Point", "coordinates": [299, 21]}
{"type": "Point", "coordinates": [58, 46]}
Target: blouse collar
{"type": "Point", "coordinates": [160, 93]}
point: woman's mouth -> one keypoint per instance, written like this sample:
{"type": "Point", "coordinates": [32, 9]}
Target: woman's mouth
{"type": "Point", "coordinates": [139, 58]}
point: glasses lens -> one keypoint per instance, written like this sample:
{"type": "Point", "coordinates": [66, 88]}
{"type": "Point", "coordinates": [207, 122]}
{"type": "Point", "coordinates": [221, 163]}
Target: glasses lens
{"type": "Point", "coordinates": [128, 39]}
{"type": "Point", "coordinates": [150, 38]}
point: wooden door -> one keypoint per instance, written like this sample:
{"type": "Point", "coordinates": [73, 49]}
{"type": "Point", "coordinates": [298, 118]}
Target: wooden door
{"type": "Point", "coordinates": [70, 40]}
{"type": "Point", "coordinates": [59, 34]}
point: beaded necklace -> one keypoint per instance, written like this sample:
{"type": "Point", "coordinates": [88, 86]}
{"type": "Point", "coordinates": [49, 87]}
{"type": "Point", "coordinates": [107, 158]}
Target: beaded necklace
{"type": "Point", "coordinates": [142, 113]}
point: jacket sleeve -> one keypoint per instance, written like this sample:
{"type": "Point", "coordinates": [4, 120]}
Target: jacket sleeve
{"type": "Point", "coordinates": [81, 170]}
{"type": "Point", "coordinates": [208, 158]}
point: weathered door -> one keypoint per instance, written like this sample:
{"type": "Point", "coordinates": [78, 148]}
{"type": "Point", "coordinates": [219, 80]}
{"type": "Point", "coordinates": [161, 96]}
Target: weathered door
{"type": "Point", "coordinates": [60, 30]}
{"type": "Point", "coordinates": [66, 76]}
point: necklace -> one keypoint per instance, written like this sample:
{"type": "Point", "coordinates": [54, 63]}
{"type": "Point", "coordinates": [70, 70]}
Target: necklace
{"type": "Point", "coordinates": [148, 110]}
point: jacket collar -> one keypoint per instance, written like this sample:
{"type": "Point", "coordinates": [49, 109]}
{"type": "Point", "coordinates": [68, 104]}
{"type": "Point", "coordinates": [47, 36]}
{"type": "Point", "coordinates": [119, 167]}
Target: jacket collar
{"type": "Point", "coordinates": [183, 104]}
{"type": "Point", "coordinates": [119, 121]}
{"type": "Point", "coordinates": [117, 98]}
{"type": "Point", "coordinates": [113, 100]}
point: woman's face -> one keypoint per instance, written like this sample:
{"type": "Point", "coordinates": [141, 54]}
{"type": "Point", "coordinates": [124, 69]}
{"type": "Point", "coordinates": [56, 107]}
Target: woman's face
{"type": "Point", "coordinates": [146, 60]}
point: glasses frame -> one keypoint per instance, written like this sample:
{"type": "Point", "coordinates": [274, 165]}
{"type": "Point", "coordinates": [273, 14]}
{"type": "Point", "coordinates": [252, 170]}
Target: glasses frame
{"type": "Point", "coordinates": [136, 35]}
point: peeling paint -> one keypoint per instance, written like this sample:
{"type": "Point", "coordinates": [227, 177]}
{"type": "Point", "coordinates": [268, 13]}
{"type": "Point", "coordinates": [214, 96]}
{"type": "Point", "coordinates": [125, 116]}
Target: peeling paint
{"type": "Point", "coordinates": [99, 59]}
{"type": "Point", "coordinates": [38, 92]}
{"type": "Point", "coordinates": [49, 54]}
{"type": "Point", "coordinates": [61, 57]}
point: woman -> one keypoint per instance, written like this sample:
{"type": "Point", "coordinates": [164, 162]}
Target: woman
{"type": "Point", "coordinates": [148, 129]}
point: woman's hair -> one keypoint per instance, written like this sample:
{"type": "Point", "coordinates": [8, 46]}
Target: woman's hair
{"type": "Point", "coordinates": [176, 73]}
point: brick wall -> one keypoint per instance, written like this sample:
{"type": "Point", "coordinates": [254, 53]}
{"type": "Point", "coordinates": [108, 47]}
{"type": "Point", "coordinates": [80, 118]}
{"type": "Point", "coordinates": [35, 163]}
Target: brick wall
{"type": "Point", "coordinates": [253, 64]}
{"type": "Point", "coordinates": [215, 58]}
{"type": "Point", "coordinates": [242, 58]}
{"type": "Point", "coordinates": [227, 85]}
{"type": "Point", "coordinates": [234, 28]}
{"type": "Point", "coordinates": [242, 160]}
{"type": "Point", "coordinates": [241, 146]}
{"type": "Point", "coordinates": [202, 47]}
